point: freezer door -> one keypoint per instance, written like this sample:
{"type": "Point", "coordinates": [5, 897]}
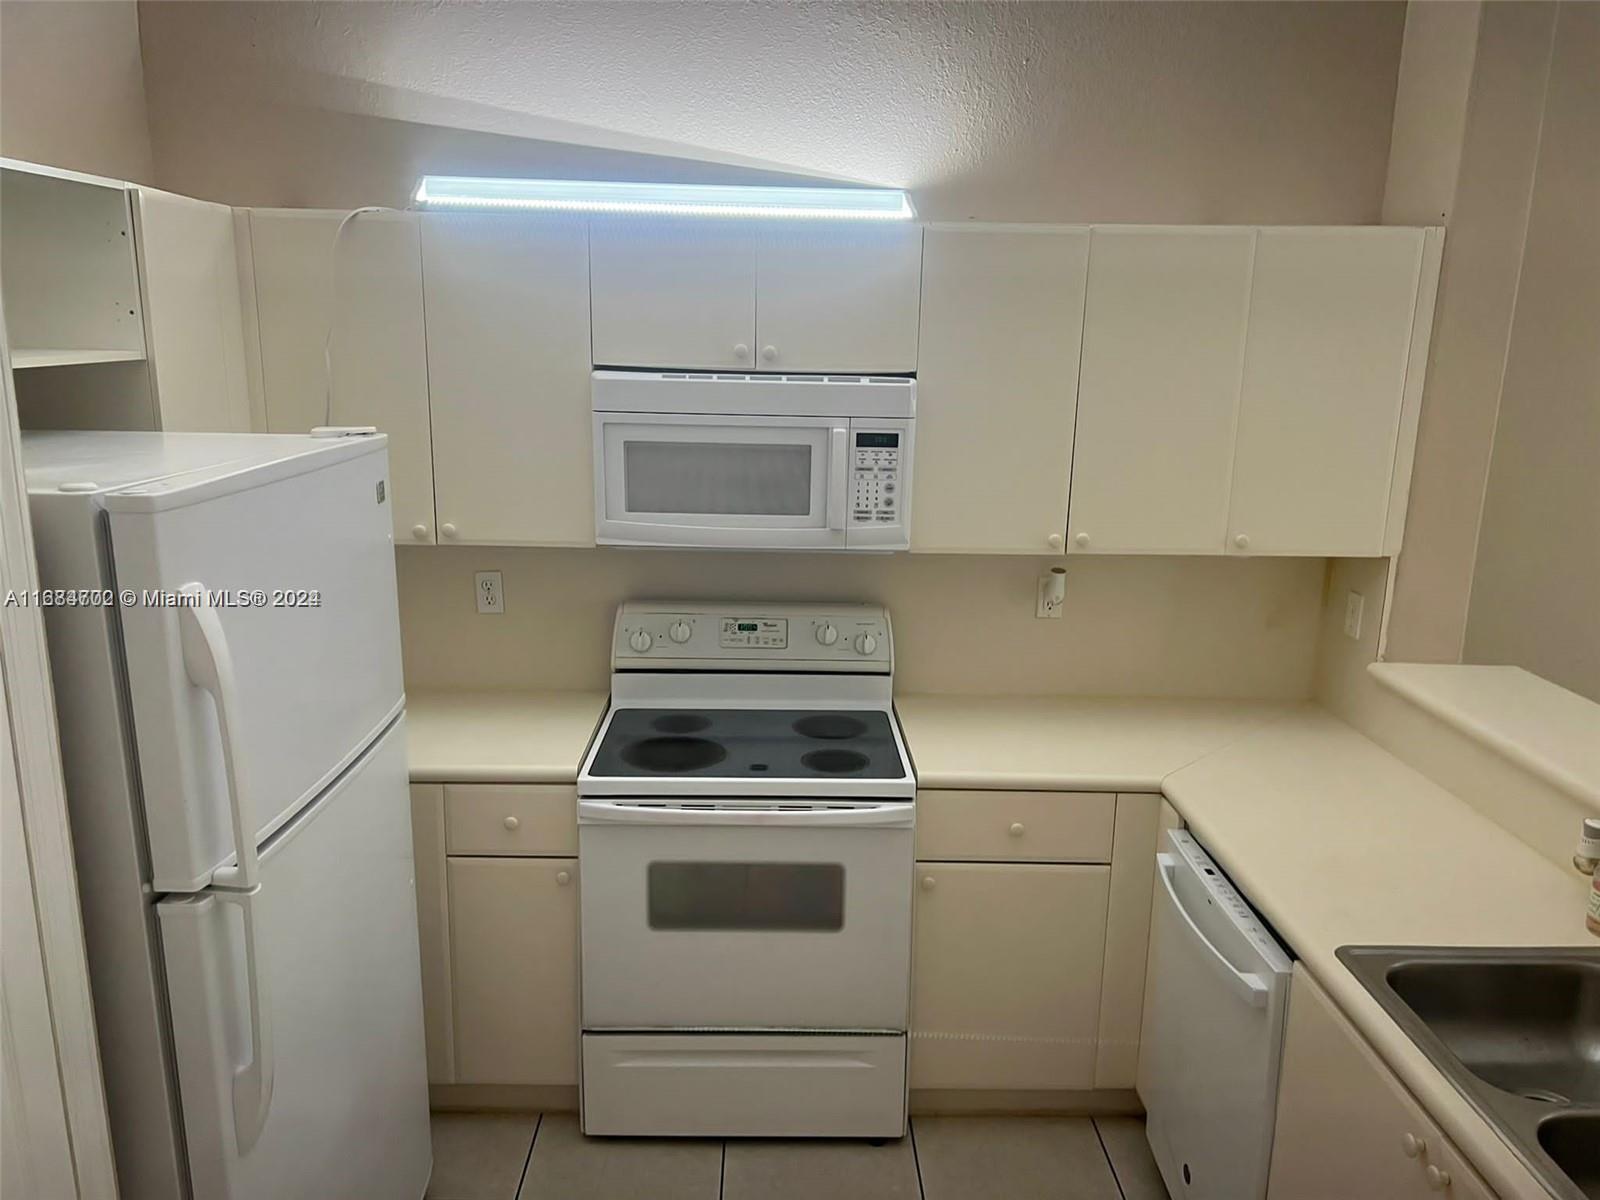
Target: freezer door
{"type": "Point", "coordinates": [307, 1077]}
{"type": "Point", "coordinates": [309, 622]}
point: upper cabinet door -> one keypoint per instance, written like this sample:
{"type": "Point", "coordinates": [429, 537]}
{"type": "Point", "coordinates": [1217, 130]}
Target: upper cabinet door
{"type": "Point", "coordinates": [195, 331]}
{"type": "Point", "coordinates": [997, 388]}
{"type": "Point", "coordinates": [372, 279]}
{"type": "Point", "coordinates": [507, 299]}
{"type": "Point", "coordinates": [1331, 315]}
{"type": "Point", "coordinates": [1163, 346]}
{"type": "Point", "coordinates": [673, 293]}
{"type": "Point", "coordinates": [838, 297]}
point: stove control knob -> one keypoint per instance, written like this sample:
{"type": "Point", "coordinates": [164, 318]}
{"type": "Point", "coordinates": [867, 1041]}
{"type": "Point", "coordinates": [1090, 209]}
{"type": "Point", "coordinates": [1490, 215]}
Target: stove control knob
{"type": "Point", "coordinates": [680, 632]}
{"type": "Point", "coordinates": [827, 634]}
{"type": "Point", "coordinates": [866, 643]}
{"type": "Point", "coordinates": [641, 641]}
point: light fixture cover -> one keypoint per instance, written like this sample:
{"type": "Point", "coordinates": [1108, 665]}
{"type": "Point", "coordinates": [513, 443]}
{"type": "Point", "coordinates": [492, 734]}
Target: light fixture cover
{"type": "Point", "coordinates": [671, 199]}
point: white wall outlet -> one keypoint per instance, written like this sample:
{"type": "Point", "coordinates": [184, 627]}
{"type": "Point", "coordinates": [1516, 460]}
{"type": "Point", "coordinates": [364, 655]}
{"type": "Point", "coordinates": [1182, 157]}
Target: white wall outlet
{"type": "Point", "coordinates": [491, 595]}
{"type": "Point", "coordinates": [1354, 602]}
{"type": "Point", "coordinates": [1052, 594]}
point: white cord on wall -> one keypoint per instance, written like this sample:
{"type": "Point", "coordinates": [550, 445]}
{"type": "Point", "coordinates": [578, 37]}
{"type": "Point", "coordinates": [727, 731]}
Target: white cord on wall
{"type": "Point", "coordinates": [327, 341]}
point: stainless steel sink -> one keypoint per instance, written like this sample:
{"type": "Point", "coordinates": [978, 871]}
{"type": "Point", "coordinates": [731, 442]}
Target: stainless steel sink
{"type": "Point", "coordinates": [1518, 1032]}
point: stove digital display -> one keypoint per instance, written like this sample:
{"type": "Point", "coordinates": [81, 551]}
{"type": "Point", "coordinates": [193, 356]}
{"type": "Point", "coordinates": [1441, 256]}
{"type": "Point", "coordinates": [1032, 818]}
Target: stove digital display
{"type": "Point", "coordinates": [764, 633]}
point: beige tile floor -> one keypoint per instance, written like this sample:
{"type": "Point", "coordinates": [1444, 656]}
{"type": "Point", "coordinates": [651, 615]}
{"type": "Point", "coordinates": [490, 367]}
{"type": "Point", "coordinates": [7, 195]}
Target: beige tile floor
{"type": "Point", "coordinates": [481, 1156]}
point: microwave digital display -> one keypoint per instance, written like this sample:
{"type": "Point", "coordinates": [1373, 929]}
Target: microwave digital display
{"type": "Point", "coordinates": [877, 441]}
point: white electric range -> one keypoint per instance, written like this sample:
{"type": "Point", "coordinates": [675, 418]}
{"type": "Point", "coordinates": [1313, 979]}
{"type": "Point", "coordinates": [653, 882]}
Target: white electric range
{"type": "Point", "coordinates": [745, 822]}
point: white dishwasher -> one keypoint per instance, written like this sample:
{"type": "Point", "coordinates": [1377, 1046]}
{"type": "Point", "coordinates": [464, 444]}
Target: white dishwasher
{"type": "Point", "coordinates": [1213, 1030]}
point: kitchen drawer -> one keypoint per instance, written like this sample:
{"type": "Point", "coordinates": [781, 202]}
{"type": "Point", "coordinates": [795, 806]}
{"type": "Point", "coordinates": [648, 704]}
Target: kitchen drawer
{"type": "Point", "coordinates": [530, 819]}
{"type": "Point", "coordinates": [987, 826]}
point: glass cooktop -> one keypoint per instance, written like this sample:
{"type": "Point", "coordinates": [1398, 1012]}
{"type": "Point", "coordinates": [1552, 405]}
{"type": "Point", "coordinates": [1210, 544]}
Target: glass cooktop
{"type": "Point", "coordinates": [729, 743]}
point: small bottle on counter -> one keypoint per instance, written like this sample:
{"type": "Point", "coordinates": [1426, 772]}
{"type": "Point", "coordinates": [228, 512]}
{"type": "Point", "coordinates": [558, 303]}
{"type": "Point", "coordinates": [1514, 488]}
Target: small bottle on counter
{"type": "Point", "coordinates": [1587, 860]}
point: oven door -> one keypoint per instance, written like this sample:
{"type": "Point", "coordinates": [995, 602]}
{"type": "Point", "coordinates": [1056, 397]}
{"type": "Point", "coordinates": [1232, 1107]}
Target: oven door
{"type": "Point", "coordinates": [676, 479]}
{"type": "Point", "coordinates": [758, 915]}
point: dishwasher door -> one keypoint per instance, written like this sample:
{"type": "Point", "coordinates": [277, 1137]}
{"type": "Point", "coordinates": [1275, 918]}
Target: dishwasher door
{"type": "Point", "coordinates": [1213, 1031]}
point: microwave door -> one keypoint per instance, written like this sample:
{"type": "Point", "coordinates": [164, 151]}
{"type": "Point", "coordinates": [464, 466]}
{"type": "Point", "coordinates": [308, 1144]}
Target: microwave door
{"type": "Point", "coordinates": [673, 479]}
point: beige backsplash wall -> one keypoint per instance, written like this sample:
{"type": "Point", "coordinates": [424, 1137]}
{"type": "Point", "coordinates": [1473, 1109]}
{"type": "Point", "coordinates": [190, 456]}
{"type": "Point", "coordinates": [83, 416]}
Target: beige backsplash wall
{"type": "Point", "coordinates": [1132, 626]}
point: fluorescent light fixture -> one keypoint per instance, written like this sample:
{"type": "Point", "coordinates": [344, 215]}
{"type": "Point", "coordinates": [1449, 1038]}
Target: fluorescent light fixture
{"type": "Point", "coordinates": [668, 199]}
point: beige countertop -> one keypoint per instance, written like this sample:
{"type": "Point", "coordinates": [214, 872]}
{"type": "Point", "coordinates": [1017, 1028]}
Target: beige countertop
{"type": "Point", "coordinates": [500, 737]}
{"type": "Point", "coordinates": [1075, 743]}
{"type": "Point", "coordinates": [1339, 843]}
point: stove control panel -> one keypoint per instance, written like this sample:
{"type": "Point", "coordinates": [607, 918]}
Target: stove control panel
{"type": "Point", "coordinates": [739, 637]}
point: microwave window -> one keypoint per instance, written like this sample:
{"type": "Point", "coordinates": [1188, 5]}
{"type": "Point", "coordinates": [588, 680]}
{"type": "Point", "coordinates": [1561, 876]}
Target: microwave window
{"type": "Point", "coordinates": [786, 897]}
{"type": "Point", "coordinates": [717, 478]}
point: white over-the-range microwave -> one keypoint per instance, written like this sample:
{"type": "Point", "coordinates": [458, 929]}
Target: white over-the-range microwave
{"type": "Point", "coordinates": [753, 462]}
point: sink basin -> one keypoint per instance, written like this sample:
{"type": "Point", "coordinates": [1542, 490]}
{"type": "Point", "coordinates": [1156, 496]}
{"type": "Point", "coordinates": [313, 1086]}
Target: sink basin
{"type": "Point", "coordinates": [1573, 1141]}
{"type": "Point", "coordinates": [1529, 1028]}
{"type": "Point", "coordinates": [1517, 1032]}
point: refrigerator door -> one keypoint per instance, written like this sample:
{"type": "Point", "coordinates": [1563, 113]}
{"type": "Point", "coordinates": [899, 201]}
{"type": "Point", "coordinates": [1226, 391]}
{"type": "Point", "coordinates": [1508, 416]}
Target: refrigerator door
{"type": "Point", "coordinates": [306, 638]}
{"type": "Point", "coordinates": [305, 1076]}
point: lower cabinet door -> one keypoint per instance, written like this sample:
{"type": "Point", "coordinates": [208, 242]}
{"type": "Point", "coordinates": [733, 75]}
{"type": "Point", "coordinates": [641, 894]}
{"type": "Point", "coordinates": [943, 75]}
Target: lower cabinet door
{"type": "Point", "coordinates": [1346, 1126]}
{"type": "Point", "coordinates": [1006, 974]}
{"type": "Point", "coordinates": [514, 967]}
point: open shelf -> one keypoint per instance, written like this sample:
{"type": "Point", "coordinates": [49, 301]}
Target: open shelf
{"type": "Point", "coordinates": [22, 360]}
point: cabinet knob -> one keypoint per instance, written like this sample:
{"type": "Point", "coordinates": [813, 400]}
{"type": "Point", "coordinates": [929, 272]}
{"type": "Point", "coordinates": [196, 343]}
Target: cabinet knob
{"type": "Point", "coordinates": [769, 354]}
{"type": "Point", "coordinates": [1242, 541]}
{"type": "Point", "coordinates": [563, 878]}
{"type": "Point", "coordinates": [420, 532]}
{"type": "Point", "coordinates": [1053, 541]}
{"type": "Point", "coordinates": [1081, 540]}
{"type": "Point", "coordinates": [1413, 1146]}
{"type": "Point", "coordinates": [1018, 829]}
{"type": "Point", "coordinates": [927, 883]}
{"type": "Point", "coordinates": [1438, 1179]}
{"type": "Point", "coordinates": [448, 529]}
{"type": "Point", "coordinates": [511, 822]}
{"type": "Point", "coordinates": [741, 352]}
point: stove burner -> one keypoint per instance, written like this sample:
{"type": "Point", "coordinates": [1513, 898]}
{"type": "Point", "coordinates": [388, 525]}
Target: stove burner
{"type": "Point", "coordinates": [680, 723]}
{"type": "Point", "coordinates": [832, 727]}
{"type": "Point", "coordinates": [834, 762]}
{"type": "Point", "coordinates": [674, 754]}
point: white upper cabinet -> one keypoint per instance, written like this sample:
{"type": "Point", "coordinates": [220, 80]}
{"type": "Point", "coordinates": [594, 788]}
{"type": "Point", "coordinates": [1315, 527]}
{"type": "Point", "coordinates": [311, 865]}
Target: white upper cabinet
{"type": "Point", "coordinates": [372, 279]}
{"type": "Point", "coordinates": [507, 302]}
{"type": "Point", "coordinates": [673, 293]}
{"type": "Point", "coordinates": [189, 275]}
{"type": "Point", "coordinates": [997, 385]}
{"type": "Point", "coordinates": [1163, 346]}
{"type": "Point", "coordinates": [1331, 317]}
{"type": "Point", "coordinates": [838, 298]}
{"type": "Point", "coordinates": [720, 295]}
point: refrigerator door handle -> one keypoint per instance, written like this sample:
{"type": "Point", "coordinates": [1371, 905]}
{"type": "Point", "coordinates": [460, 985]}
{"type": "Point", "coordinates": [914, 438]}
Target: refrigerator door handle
{"type": "Point", "coordinates": [252, 1081]}
{"type": "Point", "coordinates": [210, 666]}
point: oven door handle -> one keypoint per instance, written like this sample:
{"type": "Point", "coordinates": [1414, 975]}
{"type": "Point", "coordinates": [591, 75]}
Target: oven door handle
{"type": "Point", "coordinates": [867, 816]}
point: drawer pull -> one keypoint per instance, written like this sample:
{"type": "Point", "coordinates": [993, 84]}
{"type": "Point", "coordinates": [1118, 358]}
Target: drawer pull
{"type": "Point", "coordinates": [1413, 1146]}
{"type": "Point", "coordinates": [563, 878]}
{"type": "Point", "coordinates": [1018, 829]}
{"type": "Point", "coordinates": [927, 883]}
{"type": "Point", "coordinates": [511, 822]}
{"type": "Point", "coordinates": [1438, 1180]}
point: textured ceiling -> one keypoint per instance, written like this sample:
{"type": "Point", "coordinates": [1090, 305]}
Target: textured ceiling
{"type": "Point", "coordinates": [961, 101]}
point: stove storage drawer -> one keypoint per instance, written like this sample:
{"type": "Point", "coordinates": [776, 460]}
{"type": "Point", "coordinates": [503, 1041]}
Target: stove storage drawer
{"type": "Point", "coordinates": [744, 1085]}
{"type": "Point", "coordinates": [533, 820]}
{"type": "Point", "coordinates": [995, 826]}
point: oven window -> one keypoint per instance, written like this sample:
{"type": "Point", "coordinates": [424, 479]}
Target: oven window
{"type": "Point", "coordinates": [791, 897]}
{"type": "Point", "coordinates": [735, 478]}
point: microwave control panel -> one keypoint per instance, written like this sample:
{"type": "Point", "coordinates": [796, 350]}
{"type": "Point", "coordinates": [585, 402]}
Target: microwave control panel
{"type": "Point", "coordinates": [877, 494]}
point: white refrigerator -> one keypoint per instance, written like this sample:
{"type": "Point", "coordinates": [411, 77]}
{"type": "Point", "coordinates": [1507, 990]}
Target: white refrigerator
{"type": "Point", "coordinates": [224, 642]}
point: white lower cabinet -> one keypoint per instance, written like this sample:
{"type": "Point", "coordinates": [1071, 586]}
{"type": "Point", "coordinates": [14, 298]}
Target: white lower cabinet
{"type": "Point", "coordinates": [514, 969]}
{"type": "Point", "coordinates": [1346, 1126]}
{"type": "Point", "coordinates": [1006, 970]}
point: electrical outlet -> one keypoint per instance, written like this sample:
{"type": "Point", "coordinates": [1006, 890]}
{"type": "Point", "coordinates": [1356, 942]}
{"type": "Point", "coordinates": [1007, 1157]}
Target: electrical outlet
{"type": "Point", "coordinates": [491, 596]}
{"type": "Point", "coordinates": [1052, 594]}
{"type": "Point", "coordinates": [1354, 602]}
